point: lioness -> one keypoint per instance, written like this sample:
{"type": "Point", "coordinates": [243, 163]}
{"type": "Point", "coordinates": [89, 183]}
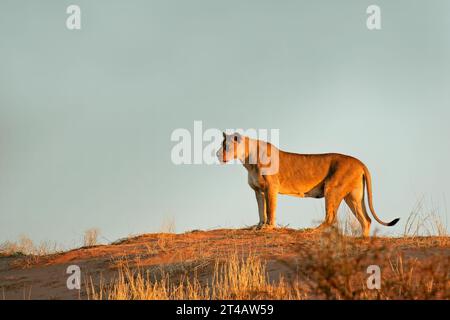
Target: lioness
{"type": "Point", "coordinates": [334, 176]}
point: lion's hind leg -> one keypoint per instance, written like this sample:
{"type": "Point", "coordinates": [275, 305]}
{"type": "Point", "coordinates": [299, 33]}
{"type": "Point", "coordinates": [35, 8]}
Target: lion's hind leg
{"type": "Point", "coordinates": [355, 200]}
{"type": "Point", "coordinates": [332, 201]}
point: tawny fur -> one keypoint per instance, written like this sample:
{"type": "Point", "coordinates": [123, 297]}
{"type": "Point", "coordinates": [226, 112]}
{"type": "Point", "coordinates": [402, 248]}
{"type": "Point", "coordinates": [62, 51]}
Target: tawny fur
{"type": "Point", "coordinates": [334, 176]}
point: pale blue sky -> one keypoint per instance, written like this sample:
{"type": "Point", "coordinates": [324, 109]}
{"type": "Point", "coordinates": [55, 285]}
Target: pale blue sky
{"type": "Point", "coordinates": [86, 116]}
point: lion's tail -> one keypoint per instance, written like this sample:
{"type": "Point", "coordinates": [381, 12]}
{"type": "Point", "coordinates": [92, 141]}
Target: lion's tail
{"type": "Point", "coordinates": [368, 180]}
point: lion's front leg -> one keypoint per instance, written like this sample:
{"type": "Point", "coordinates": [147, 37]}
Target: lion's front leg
{"type": "Point", "coordinates": [271, 205]}
{"type": "Point", "coordinates": [261, 208]}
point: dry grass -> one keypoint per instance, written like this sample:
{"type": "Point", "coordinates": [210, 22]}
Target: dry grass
{"type": "Point", "coordinates": [334, 267]}
{"type": "Point", "coordinates": [91, 237]}
{"type": "Point", "coordinates": [232, 278]}
{"type": "Point", "coordinates": [249, 264]}
{"type": "Point", "coordinates": [422, 222]}
{"type": "Point", "coordinates": [349, 226]}
{"type": "Point", "coordinates": [30, 253]}
{"type": "Point", "coordinates": [168, 226]}
{"type": "Point", "coordinates": [337, 269]}
{"type": "Point", "coordinates": [25, 246]}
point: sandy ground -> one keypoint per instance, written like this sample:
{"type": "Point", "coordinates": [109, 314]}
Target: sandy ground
{"type": "Point", "coordinates": [44, 277]}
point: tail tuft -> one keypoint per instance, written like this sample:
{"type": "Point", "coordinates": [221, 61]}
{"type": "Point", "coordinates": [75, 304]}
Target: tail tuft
{"type": "Point", "coordinates": [393, 222]}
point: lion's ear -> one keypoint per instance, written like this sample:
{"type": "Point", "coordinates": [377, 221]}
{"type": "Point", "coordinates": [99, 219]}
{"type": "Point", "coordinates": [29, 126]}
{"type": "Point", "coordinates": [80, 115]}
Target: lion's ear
{"type": "Point", "coordinates": [237, 137]}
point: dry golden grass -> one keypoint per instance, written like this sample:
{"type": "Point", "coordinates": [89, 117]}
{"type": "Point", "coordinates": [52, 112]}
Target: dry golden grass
{"type": "Point", "coordinates": [334, 267]}
{"type": "Point", "coordinates": [239, 264]}
{"type": "Point", "coordinates": [26, 247]}
{"type": "Point", "coordinates": [31, 254]}
{"type": "Point", "coordinates": [349, 226]}
{"type": "Point", "coordinates": [337, 269]}
{"type": "Point", "coordinates": [232, 278]}
{"type": "Point", "coordinates": [423, 222]}
{"type": "Point", "coordinates": [91, 237]}
{"type": "Point", "coordinates": [168, 226]}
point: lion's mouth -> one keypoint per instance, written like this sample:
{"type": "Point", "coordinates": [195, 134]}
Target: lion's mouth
{"type": "Point", "coordinates": [222, 158]}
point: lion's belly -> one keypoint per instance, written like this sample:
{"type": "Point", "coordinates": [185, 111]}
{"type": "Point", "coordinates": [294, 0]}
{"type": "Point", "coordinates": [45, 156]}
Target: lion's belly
{"type": "Point", "coordinates": [303, 191]}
